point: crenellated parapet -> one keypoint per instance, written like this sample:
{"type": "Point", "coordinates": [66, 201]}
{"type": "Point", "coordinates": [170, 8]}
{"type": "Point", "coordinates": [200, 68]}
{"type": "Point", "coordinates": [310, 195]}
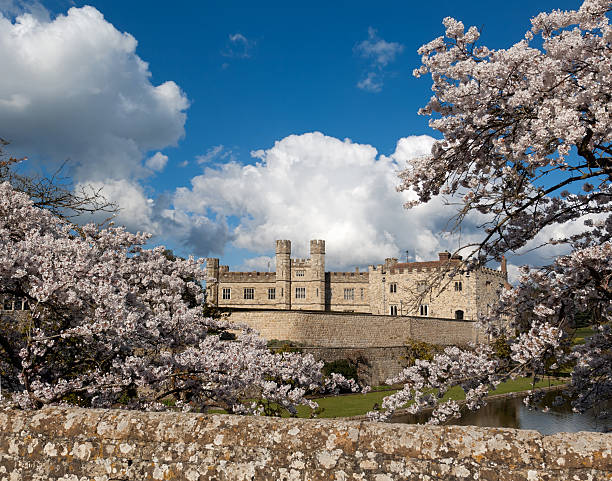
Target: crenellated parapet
{"type": "Point", "coordinates": [317, 247]}
{"type": "Point", "coordinates": [247, 277]}
{"type": "Point", "coordinates": [350, 276]}
{"type": "Point", "coordinates": [283, 247]}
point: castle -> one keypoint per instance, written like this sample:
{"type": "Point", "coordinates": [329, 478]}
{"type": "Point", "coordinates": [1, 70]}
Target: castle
{"type": "Point", "coordinates": [392, 288]}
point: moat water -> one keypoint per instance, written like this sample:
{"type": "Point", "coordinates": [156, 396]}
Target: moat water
{"type": "Point", "coordinates": [512, 413]}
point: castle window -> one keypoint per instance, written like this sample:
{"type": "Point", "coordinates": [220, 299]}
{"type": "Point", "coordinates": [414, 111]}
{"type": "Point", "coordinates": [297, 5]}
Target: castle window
{"type": "Point", "coordinates": [226, 293]}
{"type": "Point", "coordinates": [424, 310]}
{"type": "Point", "coordinates": [421, 286]}
{"type": "Point", "coordinates": [488, 283]}
{"type": "Point", "coordinates": [392, 287]}
{"type": "Point", "coordinates": [299, 273]}
{"type": "Point", "coordinates": [300, 293]}
{"type": "Point", "coordinates": [394, 310]}
{"type": "Point", "coordinates": [459, 315]}
{"type": "Point", "coordinates": [349, 294]}
{"type": "Point", "coordinates": [458, 286]}
{"type": "Point", "coordinates": [272, 293]}
{"type": "Point", "coordinates": [249, 293]}
{"type": "Point", "coordinates": [317, 292]}
{"type": "Point", "coordinates": [361, 292]}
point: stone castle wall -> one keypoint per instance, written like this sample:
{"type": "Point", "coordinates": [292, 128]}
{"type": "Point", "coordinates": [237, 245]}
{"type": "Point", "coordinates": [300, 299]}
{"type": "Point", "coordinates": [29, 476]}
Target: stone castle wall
{"type": "Point", "coordinates": [374, 364]}
{"type": "Point", "coordinates": [336, 329]}
{"type": "Point", "coordinates": [72, 444]}
{"type": "Point", "coordinates": [379, 340]}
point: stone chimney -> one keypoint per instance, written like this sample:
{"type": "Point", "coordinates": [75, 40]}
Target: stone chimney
{"type": "Point", "coordinates": [444, 256]}
{"type": "Point", "coordinates": [504, 267]}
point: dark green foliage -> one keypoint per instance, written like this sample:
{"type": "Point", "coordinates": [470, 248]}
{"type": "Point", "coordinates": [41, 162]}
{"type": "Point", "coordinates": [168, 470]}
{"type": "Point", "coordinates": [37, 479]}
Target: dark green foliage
{"type": "Point", "coordinates": [341, 366]}
{"type": "Point", "coordinates": [501, 345]}
{"type": "Point", "coordinates": [227, 336]}
{"type": "Point", "coordinates": [285, 345]}
{"type": "Point", "coordinates": [420, 350]}
{"type": "Point", "coordinates": [583, 319]}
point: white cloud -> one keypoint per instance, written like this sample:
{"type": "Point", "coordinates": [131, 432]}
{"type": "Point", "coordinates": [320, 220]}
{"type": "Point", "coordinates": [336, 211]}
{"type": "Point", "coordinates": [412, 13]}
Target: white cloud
{"type": "Point", "coordinates": [314, 186]}
{"type": "Point", "coordinates": [378, 50]}
{"type": "Point", "coordinates": [77, 90]}
{"type": "Point", "coordinates": [218, 152]}
{"type": "Point", "coordinates": [372, 82]}
{"type": "Point", "coordinates": [238, 46]}
{"type": "Point", "coordinates": [74, 88]}
{"type": "Point", "coordinates": [260, 264]}
{"type": "Point", "coordinates": [14, 8]}
{"type": "Point", "coordinates": [380, 53]}
{"type": "Point", "coordinates": [136, 209]}
{"type": "Point", "coordinates": [157, 162]}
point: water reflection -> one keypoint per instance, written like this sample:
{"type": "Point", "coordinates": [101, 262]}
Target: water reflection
{"type": "Point", "coordinates": [512, 413]}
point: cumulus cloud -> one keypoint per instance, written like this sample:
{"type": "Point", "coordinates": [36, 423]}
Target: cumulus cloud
{"type": "Point", "coordinates": [202, 234]}
{"type": "Point", "coordinates": [136, 209]}
{"type": "Point", "coordinates": [157, 162]}
{"type": "Point", "coordinates": [73, 88]}
{"type": "Point", "coordinates": [14, 8]}
{"type": "Point", "coordinates": [380, 54]}
{"type": "Point", "coordinates": [315, 186]}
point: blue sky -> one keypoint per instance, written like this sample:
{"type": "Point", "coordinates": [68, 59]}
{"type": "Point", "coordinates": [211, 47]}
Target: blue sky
{"type": "Point", "coordinates": [277, 86]}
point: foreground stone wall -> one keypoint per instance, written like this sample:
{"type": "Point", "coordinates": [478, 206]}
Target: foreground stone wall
{"type": "Point", "coordinates": [103, 445]}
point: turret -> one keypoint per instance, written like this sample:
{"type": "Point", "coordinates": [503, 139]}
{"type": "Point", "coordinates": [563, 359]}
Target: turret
{"type": "Point", "coordinates": [212, 281]}
{"type": "Point", "coordinates": [283, 274]}
{"type": "Point", "coordinates": [317, 262]}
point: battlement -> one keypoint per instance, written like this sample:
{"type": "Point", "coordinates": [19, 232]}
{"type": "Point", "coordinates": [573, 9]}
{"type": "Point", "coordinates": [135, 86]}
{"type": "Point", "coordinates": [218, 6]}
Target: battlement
{"type": "Point", "coordinates": [317, 246]}
{"type": "Point", "coordinates": [283, 247]}
{"type": "Point", "coordinates": [212, 263]}
{"type": "Point", "coordinates": [350, 276]}
{"type": "Point", "coordinates": [495, 272]}
{"type": "Point", "coordinates": [247, 277]}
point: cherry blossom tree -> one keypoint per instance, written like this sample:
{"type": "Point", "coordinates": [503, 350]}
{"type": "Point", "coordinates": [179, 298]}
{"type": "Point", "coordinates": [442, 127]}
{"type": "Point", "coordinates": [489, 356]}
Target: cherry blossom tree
{"type": "Point", "coordinates": [114, 324]}
{"type": "Point", "coordinates": [526, 146]}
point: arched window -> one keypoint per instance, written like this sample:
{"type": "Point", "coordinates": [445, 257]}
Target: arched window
{"type": "Point", "coordinates": [459, 314]}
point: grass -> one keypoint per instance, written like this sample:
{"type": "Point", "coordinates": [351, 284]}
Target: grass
{"type": "Point", "coordinates": [581, 334]}
{"type": "Point", "coordinates": [359, 404]}
{"type": "Point", "coordinates": [348, 405]}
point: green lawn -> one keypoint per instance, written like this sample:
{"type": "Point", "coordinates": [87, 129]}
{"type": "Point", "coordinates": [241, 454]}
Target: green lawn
{"type": "Point", "coordinates": [359, 404]}
{"type": "Point", "coordinates": [582, 333]}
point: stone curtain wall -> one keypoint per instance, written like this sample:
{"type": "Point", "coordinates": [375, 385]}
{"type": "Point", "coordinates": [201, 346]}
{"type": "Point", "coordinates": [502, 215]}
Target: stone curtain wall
{"type": "Point", "coordinates": [329, 329]}
{"type": "Point", "coordinates": [374, 364]}
{"type": "Point", "coordinates": [329, 336]}
{"type": "Point", "coordinates": [109, 445]}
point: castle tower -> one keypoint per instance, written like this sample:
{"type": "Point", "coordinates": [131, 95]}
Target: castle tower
{"type": "Point", "coordinates": [283, 274]}
{"type": "Point", "coordinates": [212, 282]}
{"type": "Point", "coordinates": [317, 262]}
